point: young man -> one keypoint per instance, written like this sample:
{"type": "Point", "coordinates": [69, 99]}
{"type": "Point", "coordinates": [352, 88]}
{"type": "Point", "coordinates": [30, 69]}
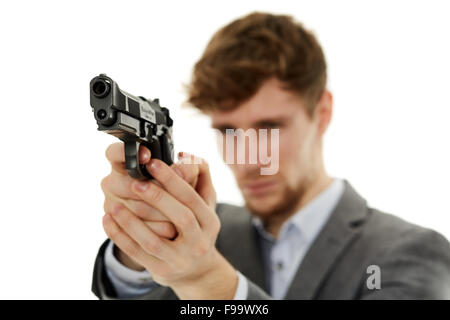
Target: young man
{"type": "Point", "coordinates": [302, 233]}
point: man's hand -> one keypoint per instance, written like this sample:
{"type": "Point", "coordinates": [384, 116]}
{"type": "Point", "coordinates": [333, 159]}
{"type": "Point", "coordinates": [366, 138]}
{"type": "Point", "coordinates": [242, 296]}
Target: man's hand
{"type": "Point", "coordinates": [190, 264]}
{"type": "Point", "coordinates": [116, 187]}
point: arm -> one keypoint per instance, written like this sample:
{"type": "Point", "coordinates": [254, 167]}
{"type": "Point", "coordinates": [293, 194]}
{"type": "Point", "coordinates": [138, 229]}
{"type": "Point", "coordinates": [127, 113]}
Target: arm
{"type": "Point", "coordinates": [104, 289]}
{"type": "Point", "coordinates": [110, 286]}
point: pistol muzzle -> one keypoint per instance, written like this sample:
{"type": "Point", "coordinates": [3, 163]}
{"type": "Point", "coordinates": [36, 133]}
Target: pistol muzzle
{"type": "Point", "coordinates": [101, 88]}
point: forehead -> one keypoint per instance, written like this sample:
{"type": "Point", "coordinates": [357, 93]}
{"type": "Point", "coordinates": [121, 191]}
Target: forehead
{"type": "Point", "coordinates": [271, 101]}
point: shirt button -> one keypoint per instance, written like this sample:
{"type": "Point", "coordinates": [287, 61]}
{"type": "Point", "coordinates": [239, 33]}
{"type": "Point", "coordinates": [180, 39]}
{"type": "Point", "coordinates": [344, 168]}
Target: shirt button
{"type": "Point", "coordinates": [279, 266]}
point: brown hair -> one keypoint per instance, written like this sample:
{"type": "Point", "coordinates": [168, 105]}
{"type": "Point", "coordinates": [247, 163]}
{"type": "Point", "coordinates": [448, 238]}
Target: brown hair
{"type": "Point", "coordinates": [254, 48]}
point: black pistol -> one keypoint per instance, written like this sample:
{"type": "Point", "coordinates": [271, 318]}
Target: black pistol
{"type": "Point", "coordinates": [135, 121]}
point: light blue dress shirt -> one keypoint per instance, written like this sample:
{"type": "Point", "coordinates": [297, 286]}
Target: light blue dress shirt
{"type": "Point", "coordinates": [281, 256]}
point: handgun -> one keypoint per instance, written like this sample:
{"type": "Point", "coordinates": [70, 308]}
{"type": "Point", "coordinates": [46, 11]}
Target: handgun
{"type": "Point", "coordinates": [135, 121]}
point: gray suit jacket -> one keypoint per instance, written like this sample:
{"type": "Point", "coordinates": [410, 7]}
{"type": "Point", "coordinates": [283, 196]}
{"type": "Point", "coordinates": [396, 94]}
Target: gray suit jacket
{"type": "Point", "coordinates": [414, 261]}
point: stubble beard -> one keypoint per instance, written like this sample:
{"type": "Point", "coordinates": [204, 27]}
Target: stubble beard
{"type": "Point", "coordinates": [285, 207]}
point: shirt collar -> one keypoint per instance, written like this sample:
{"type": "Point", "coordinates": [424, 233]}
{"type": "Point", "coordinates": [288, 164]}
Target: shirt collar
{"type": "Point", "coordinates": [310, 219]}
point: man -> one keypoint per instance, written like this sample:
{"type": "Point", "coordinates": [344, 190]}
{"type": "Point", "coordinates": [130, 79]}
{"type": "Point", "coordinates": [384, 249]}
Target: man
{"type": "Point", "coordinates": [302, 233]}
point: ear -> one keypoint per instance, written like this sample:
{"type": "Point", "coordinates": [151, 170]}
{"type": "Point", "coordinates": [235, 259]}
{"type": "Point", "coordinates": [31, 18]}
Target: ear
{"type": "Point", "coordinates": [324, 111]}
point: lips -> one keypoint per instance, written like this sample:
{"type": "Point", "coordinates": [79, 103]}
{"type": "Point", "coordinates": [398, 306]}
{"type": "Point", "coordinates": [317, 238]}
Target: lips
{"type": "Point", "coordinates": [259, 188]}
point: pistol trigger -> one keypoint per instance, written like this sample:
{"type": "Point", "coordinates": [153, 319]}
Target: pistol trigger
{"type": "Point", "coordinates": [142, 133]}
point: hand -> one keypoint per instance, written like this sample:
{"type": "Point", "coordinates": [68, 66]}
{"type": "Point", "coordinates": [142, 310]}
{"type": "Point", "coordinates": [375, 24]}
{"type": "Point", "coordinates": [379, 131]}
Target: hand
{"type": "Point", "coordinates": [190, 264]}
{"type": "Point", "coordinates": [116, 187]}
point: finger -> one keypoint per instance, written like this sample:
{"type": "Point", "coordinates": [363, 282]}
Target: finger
{"type": "Point", "coordinates": [163, 229]}
{"type": "Point", "coordinates": [116, 188]}
{"type": "Point", "coordinates": [145, 211]}
{"type": "Point", "coordinates": [187, 171]}
{"type": "Point", "coordinates": [115, 153]}
{"type": "Point", "coordinates": [180, 215]}
{"type": "Point", "coordinates": [138, 207]}
{"type": "Point", "coordinates": [139, 232]}
{"type": "Point", "coordinates": [204, 185]}
{"type": "Point", "coordinates": [180, 190]}
{"type": "Point", "coordinates": [119, 185]}
{"type": "Point", "coordinates": [126, 244]}
{"type": "Point", "coordinates": [154, 219]}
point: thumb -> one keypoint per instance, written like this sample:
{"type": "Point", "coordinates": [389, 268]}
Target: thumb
{"type": "Point", "coordinates": [189, 172]}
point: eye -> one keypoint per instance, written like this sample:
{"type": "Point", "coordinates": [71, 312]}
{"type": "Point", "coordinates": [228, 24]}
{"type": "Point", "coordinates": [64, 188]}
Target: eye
{"type": "Point", "coordinates": [270, 125]}
{"type": "Point", "coordinates": [223, 130]}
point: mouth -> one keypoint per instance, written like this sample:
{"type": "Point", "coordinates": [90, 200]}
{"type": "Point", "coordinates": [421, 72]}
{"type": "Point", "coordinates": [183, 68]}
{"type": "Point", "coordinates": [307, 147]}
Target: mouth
{"type": "Point", "coordinates": [259, 188]}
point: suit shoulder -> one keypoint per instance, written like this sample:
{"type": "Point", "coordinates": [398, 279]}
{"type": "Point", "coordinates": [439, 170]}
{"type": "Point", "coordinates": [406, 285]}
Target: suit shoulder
{"type": "Point", "coordinates": [391, 232]}
{"type": "Point", "coordinates": [414, 260]}
{"type": "Point", "coordinates": [232, 214]}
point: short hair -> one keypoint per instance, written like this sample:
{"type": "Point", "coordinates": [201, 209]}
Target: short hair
{"type": "Point", "coordinates": [243, 54]}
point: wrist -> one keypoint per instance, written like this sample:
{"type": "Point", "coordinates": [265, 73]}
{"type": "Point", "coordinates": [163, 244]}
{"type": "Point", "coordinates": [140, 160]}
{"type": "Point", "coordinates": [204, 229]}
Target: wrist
{"type": "Point", "coordinates": [126, 260]}
{"type": "Point", "coordinates": [219, 282]}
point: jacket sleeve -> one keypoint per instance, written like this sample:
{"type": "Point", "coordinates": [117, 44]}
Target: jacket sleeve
{"type": "Point", "coordinates": [416, 267]}
{"type": "Point", "coordinates": [104, 289]}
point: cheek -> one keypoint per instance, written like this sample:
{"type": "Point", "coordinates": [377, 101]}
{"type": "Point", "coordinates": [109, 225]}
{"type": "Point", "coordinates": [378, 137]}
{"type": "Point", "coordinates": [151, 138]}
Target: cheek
{"type": "Point", "coordinates": [292, 157]}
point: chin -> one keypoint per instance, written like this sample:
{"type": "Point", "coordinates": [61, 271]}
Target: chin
{"type": "Point", "coordinates": [262, 206]}
{"type": "Point", "coordinates": [282, 201]}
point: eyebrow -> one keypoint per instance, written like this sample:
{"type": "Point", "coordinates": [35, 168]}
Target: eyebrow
{"type": "Point", "coordinates": [256, 124]}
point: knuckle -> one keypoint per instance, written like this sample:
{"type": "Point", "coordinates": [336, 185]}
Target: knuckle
{"type": "Point", "coordinates": [139, 208]}
{"type": "Point", "coordinates": [152, 245]}
{"type": "Point", "coordinates": [216, 225]}
{"type": "Point", "coordinates": [191, 201]}
{"type": "Point", "coordinates": [131, 249]}
{"type": "Point", "coordinates": [111, 232]}
{"type": "Point", "coordinates": [104, 183]}
{"type": "Point", "coordinates": [106, 206]}
{"type": "Point", "coordinates": [202, 248]}
{"type": "Point", "coordinates": [143, 210]}
{"type": "Point", "coordinates": [165, 175]}
{"type": "Point", "coordinates": [125, 220]}
{"type": "Point", "coordinates": [186, 220]}
{"type": "Point", "coordinates": [155, 193]}
{"type": "Point", "coordinates": [132, 206]}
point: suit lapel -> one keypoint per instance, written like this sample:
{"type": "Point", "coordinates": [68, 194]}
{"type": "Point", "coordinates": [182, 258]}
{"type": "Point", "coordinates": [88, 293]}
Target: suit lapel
{"type": "Point", "coordinates": [331, 242]}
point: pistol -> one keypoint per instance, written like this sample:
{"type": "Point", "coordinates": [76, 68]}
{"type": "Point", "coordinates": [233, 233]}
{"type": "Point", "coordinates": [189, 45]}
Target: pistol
{"type": "Point", "coordinates": [135, 121]}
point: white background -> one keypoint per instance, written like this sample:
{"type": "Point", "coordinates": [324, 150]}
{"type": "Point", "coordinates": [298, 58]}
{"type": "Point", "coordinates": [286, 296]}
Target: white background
{"type": "Point", "coordinates": [388, 69]}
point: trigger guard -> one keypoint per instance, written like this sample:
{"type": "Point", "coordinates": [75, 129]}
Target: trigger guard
{"type": "Point", "coordinates": [132, 165]}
